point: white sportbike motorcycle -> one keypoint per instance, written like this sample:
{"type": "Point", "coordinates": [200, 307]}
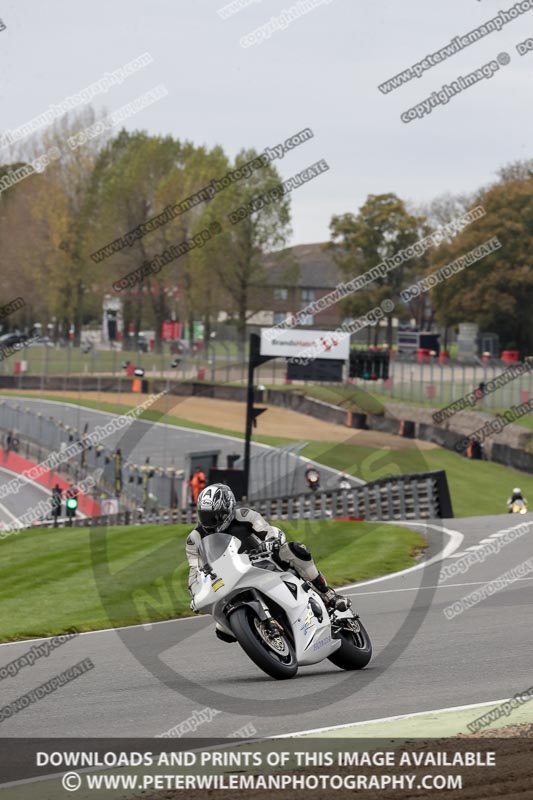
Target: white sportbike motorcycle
{"type": "Point", "coordinates": [279, 620]}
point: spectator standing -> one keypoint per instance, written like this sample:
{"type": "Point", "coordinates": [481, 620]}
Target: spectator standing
{"type": "Point", "coordinates": [197, 483]}
{"type": "Point", "coordinates": [57, 496]}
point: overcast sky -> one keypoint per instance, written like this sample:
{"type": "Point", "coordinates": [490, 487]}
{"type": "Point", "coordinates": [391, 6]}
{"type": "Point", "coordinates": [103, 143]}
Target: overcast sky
{"type": "Point", "coordinates": [321, 72]}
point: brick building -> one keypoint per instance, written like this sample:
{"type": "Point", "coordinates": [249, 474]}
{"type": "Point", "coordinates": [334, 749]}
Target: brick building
{"type": "Point", "coordinates": [297, 277]}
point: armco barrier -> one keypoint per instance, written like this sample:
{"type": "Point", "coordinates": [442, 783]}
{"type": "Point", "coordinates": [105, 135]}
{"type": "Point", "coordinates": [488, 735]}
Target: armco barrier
{"type": "Point", "coordinates": [171, 517]}
{"type": "Point", "coordinates": [511, 457]}
{"type": "Point", "coordinates": [441, 436]}
{"type": "Point", "coordinates": [403, 497]}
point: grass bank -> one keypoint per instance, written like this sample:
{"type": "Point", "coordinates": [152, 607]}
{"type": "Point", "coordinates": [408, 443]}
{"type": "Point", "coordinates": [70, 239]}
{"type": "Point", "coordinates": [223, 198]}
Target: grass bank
{"type": "Point", "coordinates": [51, 580]}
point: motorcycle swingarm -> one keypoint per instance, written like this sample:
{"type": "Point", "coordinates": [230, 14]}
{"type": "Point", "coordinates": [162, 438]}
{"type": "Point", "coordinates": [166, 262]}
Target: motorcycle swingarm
{"type": "Point", "coordinates": [337, 625]}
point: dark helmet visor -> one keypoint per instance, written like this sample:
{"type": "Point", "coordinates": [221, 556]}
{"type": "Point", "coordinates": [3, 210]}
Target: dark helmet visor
{"type": "Point", "coordinates": [209, 519]}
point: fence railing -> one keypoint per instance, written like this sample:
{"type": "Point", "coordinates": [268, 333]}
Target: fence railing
{"type": "Point", "coordinates": [439, 384]}
{"type": "Point", "coordinates": [431, 383]}
{"type": "Point", "coordinates": [40, 436]}
{"type": "Point", "coordinates": [403, 497]}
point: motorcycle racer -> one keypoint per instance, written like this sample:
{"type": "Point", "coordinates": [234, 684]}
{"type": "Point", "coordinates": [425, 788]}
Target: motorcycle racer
{"type": "Point", "coordinates": [516, 495]}
{"type": "Point", "coordinates": [217, 512]}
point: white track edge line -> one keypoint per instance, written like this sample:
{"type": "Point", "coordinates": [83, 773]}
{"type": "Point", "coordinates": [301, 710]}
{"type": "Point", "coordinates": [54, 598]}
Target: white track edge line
{"type": "Point", "coordinates": [51, 776]}
{"type": "Point", "coordinates": [394, 718]}
{"type": "Point", "coordinates": [456, 540]}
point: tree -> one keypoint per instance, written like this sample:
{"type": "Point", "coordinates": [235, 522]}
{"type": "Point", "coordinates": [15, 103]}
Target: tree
{"type": "Point", "coordinates": [443, 209]}
{"type": "Point", "coordinates": [380, 229]}
{"type": "Point", "coordinates": [201, 299]}
{"type": "Point", "coordinates": [236, 257]}
{"type": "Point", "coordinates": [125, 192]}
{"type": "Point", "coordinates": [20, 238]}
{"type": "Point", "coordinates": [516, 171]}
{"type": "Point", "coordinates": [51, 233]}
{"type": "Point", "coordinates": [438, 213]}
{"type": "Point", "coordinates": [497, 291]}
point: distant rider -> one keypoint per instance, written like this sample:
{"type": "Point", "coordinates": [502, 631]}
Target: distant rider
{"type": "Point", "coordinates": [516, 495]}
{"type": "Point", "coordinates": [217, 512]}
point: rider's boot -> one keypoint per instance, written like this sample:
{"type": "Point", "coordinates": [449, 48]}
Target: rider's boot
{"type": "Point", "coordinates": [330, 597]}
{"type": "Point", "coordinates": [223, 636]}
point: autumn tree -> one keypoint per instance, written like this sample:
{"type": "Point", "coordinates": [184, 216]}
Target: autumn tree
{"type": "Point", "coordinates": [262, 224]}
{"type": "Point", "coordinates": [516, 171]}
{"type": "Point", "coordinates": [51, 234]}
{"type": "Point", "coordinates": [20, 241]}
{"type": "Point", "coordinates": [497, 291]}
{"type": "Point", "coordinates": [443, 209]}
{"type": "Point", "coordinates": [200, 297]}
{"type": "Point", "coordinates": [381, 228]}
{"type": "Point", "coordinates": [124, 194]}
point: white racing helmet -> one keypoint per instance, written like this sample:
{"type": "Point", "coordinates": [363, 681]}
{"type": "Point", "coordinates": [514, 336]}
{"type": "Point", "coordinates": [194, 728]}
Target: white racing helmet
{"type": "Point", "coordinates": [216, 507]}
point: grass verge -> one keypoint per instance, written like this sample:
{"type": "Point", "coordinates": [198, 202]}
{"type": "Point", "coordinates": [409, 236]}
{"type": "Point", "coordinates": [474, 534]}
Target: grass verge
{"type": "Point", "coordinates": [351, 398]}
{"type": "Point", "coordinates": [90, 579]}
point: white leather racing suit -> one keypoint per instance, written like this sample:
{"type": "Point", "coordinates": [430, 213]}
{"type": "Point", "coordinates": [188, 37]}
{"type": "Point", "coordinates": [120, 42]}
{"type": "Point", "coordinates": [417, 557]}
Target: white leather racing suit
{"type": "Point", "coordinates": [252, 529]}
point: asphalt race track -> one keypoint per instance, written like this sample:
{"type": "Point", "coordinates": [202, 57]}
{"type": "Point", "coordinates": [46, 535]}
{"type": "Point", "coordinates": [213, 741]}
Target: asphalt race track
{"type": "Point", "coordinates": [168, 445]}
{"type": "Point", "coordinates": [14, 505]}
{"type": "Point", "coordinates": [148, 679]}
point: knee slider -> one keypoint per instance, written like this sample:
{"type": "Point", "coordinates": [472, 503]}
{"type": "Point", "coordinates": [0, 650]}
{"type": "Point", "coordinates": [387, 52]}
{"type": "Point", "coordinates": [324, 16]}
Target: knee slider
{"type": "Point", "coordinates": [300, 551]}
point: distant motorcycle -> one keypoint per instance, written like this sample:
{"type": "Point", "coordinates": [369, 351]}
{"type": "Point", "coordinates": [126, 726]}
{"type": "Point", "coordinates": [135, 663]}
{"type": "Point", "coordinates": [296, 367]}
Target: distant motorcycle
{"type": "Point", "coordinates": [519, 507]}
{"type": "Point", "coordinates": [278, 619]}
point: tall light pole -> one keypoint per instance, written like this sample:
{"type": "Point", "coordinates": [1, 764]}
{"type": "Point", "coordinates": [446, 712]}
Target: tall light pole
{"type": "Point", "coordinates": [255, 359]}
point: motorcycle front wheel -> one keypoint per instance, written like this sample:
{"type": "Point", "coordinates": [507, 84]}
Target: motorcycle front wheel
{"type": "Point", "coordinates": [356, 648]}
{"type": "Point", "coordinates": [273, 654]}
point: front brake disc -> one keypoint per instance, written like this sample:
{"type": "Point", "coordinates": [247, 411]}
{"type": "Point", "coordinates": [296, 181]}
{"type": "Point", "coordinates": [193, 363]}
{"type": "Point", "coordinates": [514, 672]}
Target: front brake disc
{"type": "Point", "coordinates": [276, 642]}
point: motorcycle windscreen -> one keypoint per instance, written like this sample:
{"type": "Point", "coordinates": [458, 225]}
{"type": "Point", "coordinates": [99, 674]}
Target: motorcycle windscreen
{"type": "Point", "coordinates": [213, 546]}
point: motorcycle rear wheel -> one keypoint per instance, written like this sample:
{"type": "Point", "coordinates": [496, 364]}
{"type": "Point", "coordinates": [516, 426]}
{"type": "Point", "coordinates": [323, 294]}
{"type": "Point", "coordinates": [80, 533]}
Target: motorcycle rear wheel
{"type": "Point", "coordinates": [243, 623]}
{"type": "Point", "coordinates": [355, 651]}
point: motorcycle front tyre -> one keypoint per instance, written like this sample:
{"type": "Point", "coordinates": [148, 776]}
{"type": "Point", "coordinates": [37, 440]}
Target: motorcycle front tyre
{"type": "Point", "coordinates": [242, 623]}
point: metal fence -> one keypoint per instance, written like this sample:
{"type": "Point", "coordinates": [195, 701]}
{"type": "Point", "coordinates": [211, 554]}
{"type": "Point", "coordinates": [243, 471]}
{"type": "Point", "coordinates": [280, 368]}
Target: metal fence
{"type": "Point", "coordinates": [152, 486]}
{"type": "Point", "coordinates": [148, 486]}
{"type": "Point", "coordinates": [403, 497]}
{"type": "Point", "coordinates": [220, 362]}
{"type": "Point", "coordinates": [273, 470]}
{"type": "Point", "coordinates": [39, 436]}
{"type": "Point", "coordinates": [158, 491]}
{"type": "Point", "coordinates": [430, 383]}
{"type": "Point", "coordinates": [438, 385]}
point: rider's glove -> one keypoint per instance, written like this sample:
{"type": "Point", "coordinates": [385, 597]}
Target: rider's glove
{"type": "Point", "coordinates": [269, 546]}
